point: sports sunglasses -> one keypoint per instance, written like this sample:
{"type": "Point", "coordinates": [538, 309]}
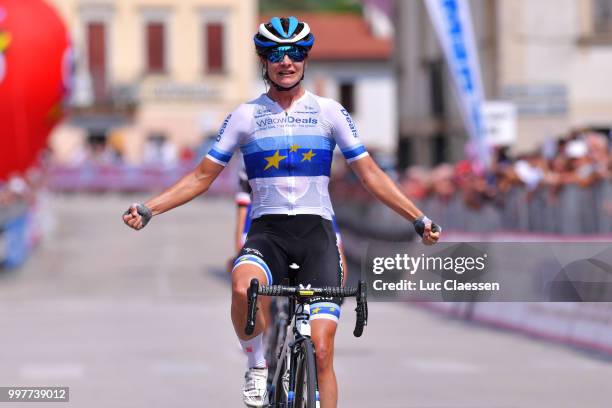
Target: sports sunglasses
{"type": "Point", "coordinates": [297, 54]}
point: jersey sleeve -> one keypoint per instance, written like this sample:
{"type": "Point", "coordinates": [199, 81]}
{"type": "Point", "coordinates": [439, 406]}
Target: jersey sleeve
{"type": "Point", "coordinates": [344, 131]}
{"type": "Point", "coordinates": [233, 129]}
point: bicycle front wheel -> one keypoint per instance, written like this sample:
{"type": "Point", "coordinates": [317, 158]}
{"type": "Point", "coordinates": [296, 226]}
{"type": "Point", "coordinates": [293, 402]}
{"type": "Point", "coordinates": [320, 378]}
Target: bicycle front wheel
{"type": "Point", "coordinates": [306, 376]}
{"type": "Point", "coordinates": [281, 388]}
{"type": "Point", "coordinates": [274, 340]}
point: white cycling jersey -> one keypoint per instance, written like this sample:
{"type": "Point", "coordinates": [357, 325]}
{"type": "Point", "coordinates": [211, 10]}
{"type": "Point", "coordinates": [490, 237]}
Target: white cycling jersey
{"type": "Point", "coordinates": [288, 154]}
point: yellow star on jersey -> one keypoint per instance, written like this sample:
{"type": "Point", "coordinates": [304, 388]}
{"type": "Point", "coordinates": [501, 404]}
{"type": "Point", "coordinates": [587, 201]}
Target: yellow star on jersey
{"type": "Point", "coordinates": [273, 161]}
{"type": "Point", "coordinates": [293, 148]}
{"type": "Point", "coordinates": [316, 310]}
{"type": "Point", "coordinates": [308, 156]}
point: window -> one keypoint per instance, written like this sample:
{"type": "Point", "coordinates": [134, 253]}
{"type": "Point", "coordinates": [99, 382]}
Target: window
{"type": "Point", "coordinates": [95, 30]}
{"type": "Point", "coordinates": [214, 41]}
{"type": "Point", "coordinates": [155, 28]}
{"type": "Point", "coordinates": [156, 47]}
{"type": "Point", "coordinates": [436, 88]}
{"type": "Point", "coordinates": [213, 33]}
{"type": "Point", "coordinates": [96, 57]}
{"type": "Point", "coordinates": [347, 96]}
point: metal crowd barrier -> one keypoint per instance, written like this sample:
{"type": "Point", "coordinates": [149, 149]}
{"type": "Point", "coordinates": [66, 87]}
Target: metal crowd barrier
{"type": "Point", "coordinates": [127, 178]}
{"type": "Point", "coordinates": [573, 211]}
{"type": "Point", "coordinates": [575, 214]}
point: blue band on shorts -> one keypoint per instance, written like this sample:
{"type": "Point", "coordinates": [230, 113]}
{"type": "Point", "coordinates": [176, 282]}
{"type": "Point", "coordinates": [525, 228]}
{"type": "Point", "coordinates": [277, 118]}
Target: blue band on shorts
{"type": "Point", "coordinates": [254, 260]}
{"type": "Point", "coordinates": [325, 310]}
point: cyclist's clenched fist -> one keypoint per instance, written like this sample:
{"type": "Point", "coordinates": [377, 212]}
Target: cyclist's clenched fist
{"type": "Point", "coordinates": [427, 229]}
{"type": "Point", "coordinates": [137, 216]}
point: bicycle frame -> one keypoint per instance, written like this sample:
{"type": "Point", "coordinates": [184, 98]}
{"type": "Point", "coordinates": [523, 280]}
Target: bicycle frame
{"type": "Point", "coordinates": [296, 331]}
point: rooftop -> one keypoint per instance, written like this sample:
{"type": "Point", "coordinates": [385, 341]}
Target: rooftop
{"type": "Point", "coordinates": [341, 36]}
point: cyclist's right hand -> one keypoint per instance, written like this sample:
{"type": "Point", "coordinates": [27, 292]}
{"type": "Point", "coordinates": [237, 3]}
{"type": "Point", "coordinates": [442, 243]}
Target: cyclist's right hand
{"type": "Point", "coordinates": [137, 216]}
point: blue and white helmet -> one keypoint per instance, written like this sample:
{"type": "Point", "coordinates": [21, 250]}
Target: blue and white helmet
{"type": "Point", "coordinates": [283, 31]}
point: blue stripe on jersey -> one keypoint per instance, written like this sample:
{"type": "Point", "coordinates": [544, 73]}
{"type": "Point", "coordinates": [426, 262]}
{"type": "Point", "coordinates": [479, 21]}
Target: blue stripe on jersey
{"type": "Point", "coordinates": [220, 155]}
{"type": "Point", "coordinates": [303, 163]}
{"type": "Point", "coordinates": [284, 142]}
{"type": "Point", "coordinates": [353, 152]}
{"type": "Point", "coordinates": [325, 307]}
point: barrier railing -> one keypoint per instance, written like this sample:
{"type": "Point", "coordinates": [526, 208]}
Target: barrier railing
{"type": "Point", "coordinates": [575, 214]}
{"type": "Point", "coordinates": [126, 178]}
{"type": "Point", "coordinates": [572, 211]}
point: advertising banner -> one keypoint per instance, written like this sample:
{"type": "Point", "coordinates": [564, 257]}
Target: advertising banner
{"type": "Point", "coordinates": [453, 24]}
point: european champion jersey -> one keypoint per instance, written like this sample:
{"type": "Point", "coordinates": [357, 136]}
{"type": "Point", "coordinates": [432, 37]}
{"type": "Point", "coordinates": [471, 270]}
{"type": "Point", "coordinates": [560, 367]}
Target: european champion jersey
{"type": "Point", "coordinates": [288, 154]}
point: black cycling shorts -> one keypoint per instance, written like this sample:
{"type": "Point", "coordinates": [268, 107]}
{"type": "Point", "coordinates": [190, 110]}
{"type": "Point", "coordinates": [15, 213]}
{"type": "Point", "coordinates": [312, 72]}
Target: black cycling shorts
{"type": "Point", "coordinates": [276, 241]}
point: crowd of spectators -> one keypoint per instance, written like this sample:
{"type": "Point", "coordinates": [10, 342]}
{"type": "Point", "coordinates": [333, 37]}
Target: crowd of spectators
{"type": "Point", "coordinates": [24, 216]}
{"type": "Point", "coordinates": [562, 187]}
{"type": "Point", "coordinates": [19, 190]}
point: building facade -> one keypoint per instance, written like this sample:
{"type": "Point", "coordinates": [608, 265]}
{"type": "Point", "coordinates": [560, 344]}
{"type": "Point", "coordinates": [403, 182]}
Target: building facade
{"type": "Point", "coordinates": [155, 70]}
{"type": "Point", "coordinates": [549, 58]}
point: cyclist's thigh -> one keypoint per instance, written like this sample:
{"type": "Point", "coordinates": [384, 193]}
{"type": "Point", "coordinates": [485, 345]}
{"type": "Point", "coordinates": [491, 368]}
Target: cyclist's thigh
{"type": "Point", "coordinates": [321, 264]}
{"type": "Point", "coordinates": [263, 252]}
{"type": "Point", "coordinates": [322, 267]}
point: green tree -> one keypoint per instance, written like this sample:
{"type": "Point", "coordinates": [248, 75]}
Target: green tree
{"type": "Point", "coordinates": [353, 6]}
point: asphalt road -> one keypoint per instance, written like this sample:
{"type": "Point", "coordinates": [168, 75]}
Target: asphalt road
{"type": "Point", "coordinates": [141, 319]}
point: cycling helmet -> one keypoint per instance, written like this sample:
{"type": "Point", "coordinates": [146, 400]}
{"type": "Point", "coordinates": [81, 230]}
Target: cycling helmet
{"type": "Point", "coordinates": [281, 31]}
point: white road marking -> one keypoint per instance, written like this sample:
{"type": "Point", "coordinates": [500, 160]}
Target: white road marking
{"type": "Point", "coordinates": [51, 371]}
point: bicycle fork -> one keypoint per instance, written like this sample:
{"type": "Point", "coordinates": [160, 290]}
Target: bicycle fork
{"type": "Point", "coordinates": [302, 330]}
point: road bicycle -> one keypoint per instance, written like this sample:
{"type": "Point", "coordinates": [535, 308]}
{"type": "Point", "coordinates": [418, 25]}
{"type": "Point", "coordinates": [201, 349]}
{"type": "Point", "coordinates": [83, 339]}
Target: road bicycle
{"type": "Point", "coordinates": [294, 380]}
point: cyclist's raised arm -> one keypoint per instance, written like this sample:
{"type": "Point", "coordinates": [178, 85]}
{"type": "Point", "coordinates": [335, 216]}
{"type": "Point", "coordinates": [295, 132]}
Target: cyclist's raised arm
{"type": "Point", "coordinates": [380, 185]}
{"type": "Point", "coordinates": [344, 131]}
{"type": "Point", "coordinates": [199, 180]}
{"type": "Point", "coordinates": [372, 177]}
{"type": "Point", "coordinates": [184, 190]}
{"type": "Point", "coordinates": [187, 188]}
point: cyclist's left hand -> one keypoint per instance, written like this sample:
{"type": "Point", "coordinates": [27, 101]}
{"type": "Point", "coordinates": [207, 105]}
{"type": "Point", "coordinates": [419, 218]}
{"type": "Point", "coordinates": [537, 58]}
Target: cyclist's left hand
{"type": "Point", "coordinates": [431, 235]}
{"type": "Point", "coordinates": [427, 229]}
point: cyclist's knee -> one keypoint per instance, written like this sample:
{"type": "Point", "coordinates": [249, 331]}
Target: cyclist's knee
{"type": "Point", "coordinates": [323, 337]}
{"type": "Point", "coordinates": [324, 353]}
{"type": "Point", "coordinates": [241, 280]}
{"type": "Point", "coordinates": [239, 290]}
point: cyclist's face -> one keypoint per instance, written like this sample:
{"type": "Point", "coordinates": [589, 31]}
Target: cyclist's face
{"type": "Point", "coordinates": [286, 72]}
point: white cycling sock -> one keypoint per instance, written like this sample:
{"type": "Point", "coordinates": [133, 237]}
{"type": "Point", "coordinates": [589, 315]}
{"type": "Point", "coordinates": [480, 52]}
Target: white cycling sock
{"type": "Point", "coordinates": [254, 350]}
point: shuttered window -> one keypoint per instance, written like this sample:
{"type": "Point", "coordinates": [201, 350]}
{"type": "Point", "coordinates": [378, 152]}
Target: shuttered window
{"type": "Point", "coordinates": [214, 58]}
{"type": "Point", "coordinates": [96, 58]}
{"type": "Point", "coordinates": [156, 47]}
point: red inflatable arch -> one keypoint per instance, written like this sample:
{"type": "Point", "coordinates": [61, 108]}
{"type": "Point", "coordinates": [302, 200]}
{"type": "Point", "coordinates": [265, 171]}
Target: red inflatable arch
{"type": "Point", "coordinates": [34, 70]}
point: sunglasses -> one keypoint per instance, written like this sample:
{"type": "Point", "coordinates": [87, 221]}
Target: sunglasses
{"type": "Point", "coordinates": [296, 54]}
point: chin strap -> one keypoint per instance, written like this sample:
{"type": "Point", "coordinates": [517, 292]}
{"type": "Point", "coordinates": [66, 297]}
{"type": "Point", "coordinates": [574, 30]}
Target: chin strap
{"type": "Point", "coordinates": [282, 88]}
